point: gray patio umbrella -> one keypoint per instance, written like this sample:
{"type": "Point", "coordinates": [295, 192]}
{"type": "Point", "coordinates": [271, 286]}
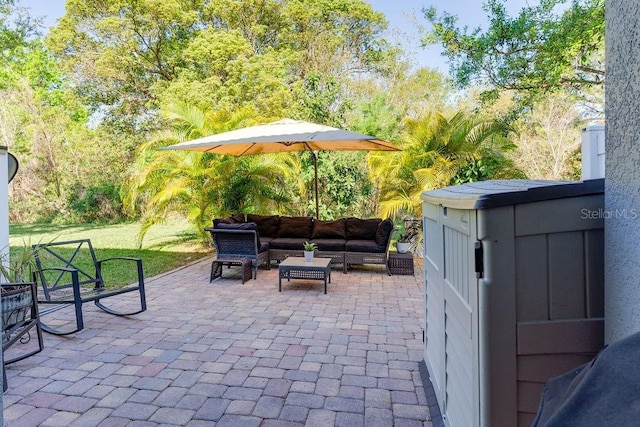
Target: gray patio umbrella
{"type": "Point", "coordinates": [282, 136]}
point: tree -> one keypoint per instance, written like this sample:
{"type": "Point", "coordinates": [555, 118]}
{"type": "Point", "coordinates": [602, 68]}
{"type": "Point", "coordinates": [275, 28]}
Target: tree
{"type": "Point", "coordinates": [201, 185]}
{"type": "Point", "coordinates": [378, 106]}
{"type": "Point", "coordinates": [548, 139]}
{"type": "Point", "coordinates": [343, 182]}
{"type": "Point", "coordinates": [64, 166]}
{"type": "Point", "coordinates": [128, 58]}
{"type": "Point", "coordinates": [17, 31]}
{"type": "Point", "coordinates": [548, 47]}
{"type": "Point", "coordinates": [437, 152]}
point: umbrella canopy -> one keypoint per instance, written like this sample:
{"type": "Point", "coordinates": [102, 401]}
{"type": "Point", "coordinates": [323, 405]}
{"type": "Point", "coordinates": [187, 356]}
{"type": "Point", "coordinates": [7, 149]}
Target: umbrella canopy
{"type": "Point", "coordinates": [283, 136]}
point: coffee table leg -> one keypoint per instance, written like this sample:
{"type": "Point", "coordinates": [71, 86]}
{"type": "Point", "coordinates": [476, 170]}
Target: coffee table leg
{"type": "Point", "coordinates": [279, 283]}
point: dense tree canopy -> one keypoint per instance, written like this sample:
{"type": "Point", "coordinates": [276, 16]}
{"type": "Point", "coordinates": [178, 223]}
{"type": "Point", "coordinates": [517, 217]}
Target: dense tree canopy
{"type": "Point", "coordinates": [87, 108]}
{"type": "Point", "coordinates": [550, 46]}
{"type": "Point", "coordinates": [128, 57]}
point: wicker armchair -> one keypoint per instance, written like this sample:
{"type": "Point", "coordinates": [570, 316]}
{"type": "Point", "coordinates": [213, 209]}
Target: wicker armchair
{"type": "Point", "coordinates": [231, 244]}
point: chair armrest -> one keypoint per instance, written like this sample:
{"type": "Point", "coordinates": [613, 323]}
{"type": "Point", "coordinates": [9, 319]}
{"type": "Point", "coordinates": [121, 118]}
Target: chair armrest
{"type": "Point", "coordinates": [75, 281]}
{"type": "Point", "coordinates": [124, 258]}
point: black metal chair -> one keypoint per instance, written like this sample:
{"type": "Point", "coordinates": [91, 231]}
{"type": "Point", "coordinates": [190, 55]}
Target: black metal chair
{"type": "Point", "coordinates": [70, 274]}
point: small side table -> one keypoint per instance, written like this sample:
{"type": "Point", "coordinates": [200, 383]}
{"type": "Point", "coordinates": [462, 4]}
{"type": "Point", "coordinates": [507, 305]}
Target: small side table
{"type": "Point", "coordinates": [400, 263]}
{"type": "Point", "coordinates": [244, 263]}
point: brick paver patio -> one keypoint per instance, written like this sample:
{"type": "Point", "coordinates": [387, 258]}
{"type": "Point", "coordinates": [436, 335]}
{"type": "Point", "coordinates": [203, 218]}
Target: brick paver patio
{"type": "Point", "coordinates": [228, 354]}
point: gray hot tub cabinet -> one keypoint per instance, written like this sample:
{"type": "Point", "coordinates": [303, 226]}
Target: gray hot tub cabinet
{"type": "Point", "coordinates": [514, 294]}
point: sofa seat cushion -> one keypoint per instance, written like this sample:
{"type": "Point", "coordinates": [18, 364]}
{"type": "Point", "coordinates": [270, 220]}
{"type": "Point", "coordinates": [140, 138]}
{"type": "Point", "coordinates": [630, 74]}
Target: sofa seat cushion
{"type": "Point", "coordinates": [333, 245]}
{"type": "Point", "coordinates": [299, 227]}
{"type": "Point", "coordinates": [287, 243]}
{"type": "Point", "coordinates": [362, 229]}
{"type": "Point", "coordinates": [263, 247]}
{"type": "Point", "coordinates": [329, 229]}
{"type": "Point", "coordinates": [368, 246]}
{"type": "Point", "coordinates": [267, 225]}
{"type": "Point", "coordinates": [266, 239]}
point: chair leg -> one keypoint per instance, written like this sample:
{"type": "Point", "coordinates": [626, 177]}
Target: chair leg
{"type": "Point", "coordinates": [216, 270]}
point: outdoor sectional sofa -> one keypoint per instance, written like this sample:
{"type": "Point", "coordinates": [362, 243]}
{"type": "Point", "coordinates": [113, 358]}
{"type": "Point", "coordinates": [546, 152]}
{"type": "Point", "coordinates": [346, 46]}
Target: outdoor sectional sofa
{"type": "Point", "coordinates": [347, 241]}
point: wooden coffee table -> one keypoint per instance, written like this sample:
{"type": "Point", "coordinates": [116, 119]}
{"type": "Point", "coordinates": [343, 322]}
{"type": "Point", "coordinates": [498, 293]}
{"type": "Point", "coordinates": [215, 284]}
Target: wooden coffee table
{"type": "Point", "coordinates": [298, 268]}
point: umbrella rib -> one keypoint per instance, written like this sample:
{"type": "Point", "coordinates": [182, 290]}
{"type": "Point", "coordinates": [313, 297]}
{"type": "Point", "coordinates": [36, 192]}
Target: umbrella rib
{"type": "Point", "coordinates": [247, 149]}
{"type": "Point", "coordinates": [209, 150]}
{"type": "Point", "coordinates": [381, 144]}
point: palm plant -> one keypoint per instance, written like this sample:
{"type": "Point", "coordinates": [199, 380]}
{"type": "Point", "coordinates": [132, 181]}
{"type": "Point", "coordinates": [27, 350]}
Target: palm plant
{"type": "Point", "coordinates": [201, 185]}
{"type": "Point", "coordinates": [437, 152]}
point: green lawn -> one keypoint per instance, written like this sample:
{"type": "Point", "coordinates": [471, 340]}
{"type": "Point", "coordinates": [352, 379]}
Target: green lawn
{"type": "Point", "coordinates": [165, 247]}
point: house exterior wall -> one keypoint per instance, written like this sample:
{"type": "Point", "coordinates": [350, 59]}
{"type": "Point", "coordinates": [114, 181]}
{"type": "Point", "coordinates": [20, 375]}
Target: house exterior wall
{"type": "Point", "coordinates": [622, 183]}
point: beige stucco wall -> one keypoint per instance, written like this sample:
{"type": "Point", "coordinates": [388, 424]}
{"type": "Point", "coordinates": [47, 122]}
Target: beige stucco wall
{"type": "Point", "coordinates": [622, 182]}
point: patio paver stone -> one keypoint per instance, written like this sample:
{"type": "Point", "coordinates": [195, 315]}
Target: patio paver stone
{"type": "Point", "coordinates": [235, 355]}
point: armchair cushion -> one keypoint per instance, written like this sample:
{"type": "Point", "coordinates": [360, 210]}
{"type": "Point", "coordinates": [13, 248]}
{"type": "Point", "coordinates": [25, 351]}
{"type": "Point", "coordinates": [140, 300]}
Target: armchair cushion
{"type": "Point", "coordinates": [329, 229]}
{"type": "Point", "coordinates": [267, 225]}
{"type": "Point", "coordinates": [296, 227]}
{"type": "Point", "coordinates": [362, 229]}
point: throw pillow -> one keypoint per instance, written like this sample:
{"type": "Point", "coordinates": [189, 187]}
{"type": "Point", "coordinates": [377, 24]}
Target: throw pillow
{"type": "Point", "coordinates": [383, 233]}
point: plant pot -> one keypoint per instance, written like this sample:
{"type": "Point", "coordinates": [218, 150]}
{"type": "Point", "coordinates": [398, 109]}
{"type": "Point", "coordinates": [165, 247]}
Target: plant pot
{"type": "Point", "coordinates": [308, 256]}
{"type": "Point", "coordinates": [16, 303]}
{"type": "Point", "coordinates": [403, 247]}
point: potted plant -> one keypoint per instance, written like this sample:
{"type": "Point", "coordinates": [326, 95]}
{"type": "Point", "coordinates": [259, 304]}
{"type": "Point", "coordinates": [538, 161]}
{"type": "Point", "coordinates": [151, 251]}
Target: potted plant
{"type": "Point", "coordinates": [402, 244]}
{"type": "Point", "coordinates": [309, 249]}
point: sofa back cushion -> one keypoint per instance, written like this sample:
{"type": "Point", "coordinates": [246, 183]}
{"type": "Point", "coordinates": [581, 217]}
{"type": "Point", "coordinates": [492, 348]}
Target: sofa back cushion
{"type": "Point", "coordinates": [243, 226]}
{"type": "Point", "coordinates": [362, 229]}
{"type": "Point", "coordinates": [329, 229]}
{"type": "Point", "coordinates": [267, 225]}
{"type": "Point", "coordinates": [299, 227]}
{"type": "Point", "coordinates": [383, 233]}
{"type": "Point", "coordinates": [233, 219]}
{"type": "Point", "coordinates": [238, 218]}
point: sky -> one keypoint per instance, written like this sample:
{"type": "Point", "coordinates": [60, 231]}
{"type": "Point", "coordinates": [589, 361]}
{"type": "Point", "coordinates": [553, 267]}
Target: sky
{"type": "Point", "coordinates": [404, 17]}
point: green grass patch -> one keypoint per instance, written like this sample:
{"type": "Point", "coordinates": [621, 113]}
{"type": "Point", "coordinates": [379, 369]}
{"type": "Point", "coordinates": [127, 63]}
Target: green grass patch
{"type": "Point", "coordinates": [165, 247]}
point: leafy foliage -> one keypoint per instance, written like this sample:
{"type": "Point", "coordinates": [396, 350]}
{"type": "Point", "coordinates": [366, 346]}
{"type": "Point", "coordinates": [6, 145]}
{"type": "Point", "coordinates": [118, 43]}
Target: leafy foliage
{"type": "Point", "coordinates": [17, 31]}
{"type": "Point", "coordinates": [344, 186]}
{"type": "Point", "coordinates": [554, 45]}
{"type": "Point", "coordinates": [437, 152]}
{"type": "Point", "coordinates": [128, 57]}
{"type": "Point", "coordinates": [548, 139]}
{"type": "Point", "coordinates": [202, 185]}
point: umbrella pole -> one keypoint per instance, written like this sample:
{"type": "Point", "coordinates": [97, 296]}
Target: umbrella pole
{"type": "Point", "coordinates": [315, 169]}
